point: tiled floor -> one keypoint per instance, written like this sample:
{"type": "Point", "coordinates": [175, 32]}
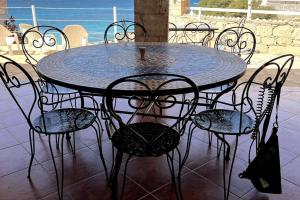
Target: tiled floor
{"type": "Point", "coordinates": [147, 178]}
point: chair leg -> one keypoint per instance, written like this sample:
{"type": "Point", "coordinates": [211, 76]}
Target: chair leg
{"type": "Point", "coordinates": [188, 146]}
{"type": "Point", "coordinates": [57, 138]}
{"type": "Point", "coordinates": [116, 170]}
{"type": "Point", "coordinates": [179, 174]}
{"type": "Point", "coordinates": [32, 150]}
{"type": "Point", "coordinates": [54, 105]}
{"type": "Point", "coordinates": [208, 101]}
{"type": "Point", "coordinates": [170, 160]}
{"type": "Point", "coordinates": [224, 142]}
{"type": "Point", "coordinates": [61, 101]}
{"type": "Point", "coordinates": [59, 185]}
{"type": "Point", "coordinates": [124, 176]}
{"type": "Point", "coordinates": [225, 162]}
{"type": "Point", "coordinates": [112, 164]}
{"type": "Point", "coordinates": [72, 146]}
{"type": "Point", "coordinates": [98, 135]}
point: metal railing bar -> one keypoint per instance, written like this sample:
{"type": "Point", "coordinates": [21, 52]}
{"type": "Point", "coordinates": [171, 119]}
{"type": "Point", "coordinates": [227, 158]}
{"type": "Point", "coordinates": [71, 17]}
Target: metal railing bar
{"type": "Point", "coordinates": [73, 20]}
{"type": "Point", "coordinates": [271, 12]}
{"type": "Point", "coordinates": [66, 8]}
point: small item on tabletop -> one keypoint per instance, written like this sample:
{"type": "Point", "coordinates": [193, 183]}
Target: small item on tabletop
{"type": "Point", "coordinates": [142, 52]}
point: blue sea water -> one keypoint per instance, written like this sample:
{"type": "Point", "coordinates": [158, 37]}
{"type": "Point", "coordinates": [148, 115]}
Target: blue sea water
{"type": "Point", "coordinates": [94, 20]}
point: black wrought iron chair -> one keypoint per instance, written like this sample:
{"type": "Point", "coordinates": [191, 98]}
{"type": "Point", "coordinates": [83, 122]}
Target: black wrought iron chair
{"type": "Point", "coordinates": [198, 33]}
{"type": "Point", "coordinates": [240, 41]}
{"type": "Point", "coordinates": [39, 40]}
{"type": "Point", "coordinates": [149, 130]}
{"type": "Point", "coordinates": [56, 123]}
{"type": "Point", "coordinates": [249, 113]}
{"type": "Point", "coordinates": [125, 31]}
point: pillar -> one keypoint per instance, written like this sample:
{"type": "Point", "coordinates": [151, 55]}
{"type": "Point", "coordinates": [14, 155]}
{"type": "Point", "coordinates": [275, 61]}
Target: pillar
{"type": "Point", "coordinates": [3, 10]}
{"type": "Point", "coordinates": [154, 16]}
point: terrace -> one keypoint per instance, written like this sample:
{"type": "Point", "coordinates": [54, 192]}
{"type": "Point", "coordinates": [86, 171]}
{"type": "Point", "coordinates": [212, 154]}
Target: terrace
{"type": "Point", "coordinates": [146, 178]}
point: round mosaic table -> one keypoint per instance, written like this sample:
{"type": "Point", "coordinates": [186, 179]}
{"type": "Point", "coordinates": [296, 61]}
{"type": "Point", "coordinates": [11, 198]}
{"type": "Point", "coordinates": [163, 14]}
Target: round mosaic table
{"type": "Point", "coordinates": [92, 68]}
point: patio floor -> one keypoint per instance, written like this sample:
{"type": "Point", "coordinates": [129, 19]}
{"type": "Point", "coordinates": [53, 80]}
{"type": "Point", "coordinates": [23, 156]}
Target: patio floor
{"type": "Point", "coordinates": [147, 178]}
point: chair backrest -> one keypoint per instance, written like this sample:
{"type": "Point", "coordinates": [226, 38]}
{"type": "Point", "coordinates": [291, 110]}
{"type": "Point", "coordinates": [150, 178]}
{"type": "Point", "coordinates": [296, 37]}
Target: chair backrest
{"type": "Point", "coordinates": [16, 79]}
{"type": "Point", "coordinates": [172, 34]}
{"type": "Point", "coordinates": [151, 101]}
{"type": "Point", "coordinates": [198, 33]}
{"type": "Point", "coordinates": [77, 35]}
{"type": "Point", "coordinates": [238, 40]}
{"type": "Point", "coordinates": [4, 34]}
{"type": "Point", "coordinates": [125, 31]}
{"type": "Point", "coordinates": [36, 39]}
{"type": "Point", "coordinates": [262, 90]}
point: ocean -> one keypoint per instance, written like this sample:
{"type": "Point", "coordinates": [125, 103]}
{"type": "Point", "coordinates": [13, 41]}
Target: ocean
{"type": "Point", "coordinates": [94, 20]}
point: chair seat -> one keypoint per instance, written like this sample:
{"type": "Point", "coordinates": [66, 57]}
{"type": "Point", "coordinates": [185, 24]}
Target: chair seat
{"type": "Point", "coordinates": [64, 120]}
{"type": "Point", "coordinates": [224, 121]}
{"type": "Point", "coordinates": [125, 140]}
{"type": "Point", "coordinates": [56, 89]}
{"type": "Point", "coordinates": [216, 90]}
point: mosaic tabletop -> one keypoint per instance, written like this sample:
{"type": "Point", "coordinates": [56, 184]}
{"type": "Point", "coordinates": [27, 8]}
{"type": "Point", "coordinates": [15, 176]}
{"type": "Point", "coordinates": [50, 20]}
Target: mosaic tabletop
{"type": "Point", "coordinates": [92, 68]}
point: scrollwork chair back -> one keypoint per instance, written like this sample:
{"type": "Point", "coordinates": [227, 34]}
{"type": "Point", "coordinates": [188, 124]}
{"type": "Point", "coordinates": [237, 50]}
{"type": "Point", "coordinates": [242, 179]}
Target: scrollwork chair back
{"type": "Point", "coordinates": [36, 39]}
{"type": "Point", "coordinates": [125, 31]}
{"type": "Point", "coordinates": [261, 92]}
{"type": "Point", "coordinates": [198, 33]}
{"type": "Point", "coordinates": [238, 40]}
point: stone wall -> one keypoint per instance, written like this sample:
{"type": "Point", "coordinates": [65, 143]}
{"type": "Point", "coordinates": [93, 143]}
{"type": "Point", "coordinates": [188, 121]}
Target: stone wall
{"type": "Point", "coordinates": [154, 15]}
{"type": "Point", "coordinates": [2, 10]}
{"type": "Point", "coordinates": [179, 7]}
{"type": "Point", "coordinates": [273, 36]}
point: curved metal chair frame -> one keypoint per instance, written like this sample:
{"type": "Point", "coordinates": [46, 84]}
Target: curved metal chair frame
{"type": "Point", "coordinates": [125, 31]}
{"type": "Point", "coordinates": [173, 37]}
{"type": "Point", "coordinates": [58, 123]}
{"type": "Point", "coordinates": [238, 40]}
{"type": "Point", "coordinates": [38, 38]}
{"type": "Point", "coordinates": [248, 112]}
{"type": "Point", "coordinates": [147, 131]}
{"type": "Point", "coordinates": [200, 33]}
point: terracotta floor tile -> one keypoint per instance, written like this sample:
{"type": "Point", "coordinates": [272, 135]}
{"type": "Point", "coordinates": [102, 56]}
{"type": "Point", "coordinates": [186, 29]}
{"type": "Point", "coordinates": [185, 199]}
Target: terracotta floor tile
{"type": "Point", "coordinates": [289, 139]}
{"type": "Point", "coordinates": [213, 170]}
{"type": "Point", "coordinates": [85, 164]}
{"type": "Point", "coordinates": [193, 187]}
{"type": "Point", "coordinates": [149, 197]}
{"type": "Point", "coordinates": [7, 105]}
{"type": "Point", "coordinates": [20, 132]}
{"type": "Point", "coordinates": [6, 139]}
{"type": "Point", "coordinates": [199, 153]}
{"type": "Point", "coordinates": [291, 173]}
{"type": "Point", "coordinates": [54, 196]}
{"type": "Point", "coordinates": [151, 173]}
{"type": "Point", "coordinates": [17, 186]}
{"type": "Point", "coordinates": [13, 159]}
{"type": "Point", "coordinates": [97, 188]}
{"type": "Point", "coordinates": [43, 150]}
{"type": "Point", "coordinates": [289, 191]}
{"type": "Point", "coordinates": [295, 95]}
{"type": "Point", "coordinates": [290, 106]}
{"type": "Point", "coordinates": [292, 123]}
{"type": "Point", "coordinates": [12, 118]}
{"type": "Point", "coordinates": [106, 150]}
